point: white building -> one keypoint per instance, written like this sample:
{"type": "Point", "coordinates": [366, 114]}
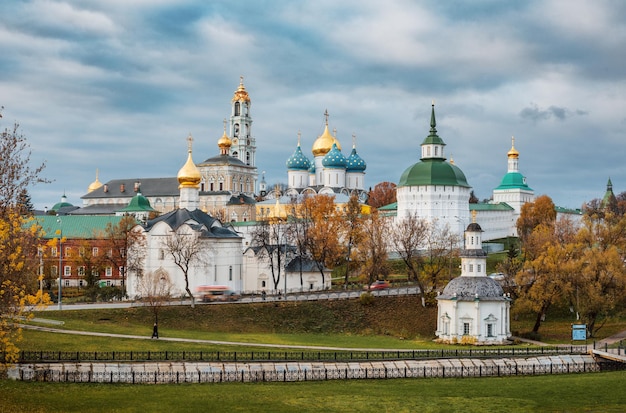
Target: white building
{"type": "Point", "coordinates": [219, 259]}
{"type": "Point", "coordinates": [473, 308]}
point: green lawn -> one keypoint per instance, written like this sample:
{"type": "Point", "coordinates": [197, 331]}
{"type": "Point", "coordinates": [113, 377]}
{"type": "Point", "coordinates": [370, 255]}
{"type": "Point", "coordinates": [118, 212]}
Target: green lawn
{"type": "Point", "coordinates": [566, 393]}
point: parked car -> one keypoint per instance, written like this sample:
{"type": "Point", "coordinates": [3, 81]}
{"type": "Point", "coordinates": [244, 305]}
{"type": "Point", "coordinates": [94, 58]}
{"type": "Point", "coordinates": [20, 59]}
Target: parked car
{"type": "Point", "coordinates": [498, 276]}
{"type": "Point", "coordinates": [379, 285]}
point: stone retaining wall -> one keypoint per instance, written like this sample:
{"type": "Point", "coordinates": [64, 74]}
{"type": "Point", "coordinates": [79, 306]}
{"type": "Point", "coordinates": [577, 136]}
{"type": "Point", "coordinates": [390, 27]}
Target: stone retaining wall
{"type": "Point", "coordinates": [204, 372]}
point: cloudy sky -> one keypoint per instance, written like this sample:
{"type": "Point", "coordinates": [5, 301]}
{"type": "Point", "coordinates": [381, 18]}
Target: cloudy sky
{"type": "Point", "coordinates": [118, 85]}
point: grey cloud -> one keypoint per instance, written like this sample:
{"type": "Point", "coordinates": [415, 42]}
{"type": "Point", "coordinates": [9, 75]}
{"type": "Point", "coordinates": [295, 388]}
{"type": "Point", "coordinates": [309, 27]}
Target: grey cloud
{"type": "Point", "coordinates": [535, 113]}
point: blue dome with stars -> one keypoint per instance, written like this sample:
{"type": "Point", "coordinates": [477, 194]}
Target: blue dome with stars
{"type": "Point", "coordinates": [334, 158]}
{"type": "Point", "coordinates": [355, 162]}
{"type": "Point", "coordinates": [298, 161]}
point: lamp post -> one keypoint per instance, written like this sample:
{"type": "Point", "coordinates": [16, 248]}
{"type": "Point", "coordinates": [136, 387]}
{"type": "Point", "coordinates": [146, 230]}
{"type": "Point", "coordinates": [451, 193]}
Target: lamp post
{"type": "Point", "coordinates": [60, 259]}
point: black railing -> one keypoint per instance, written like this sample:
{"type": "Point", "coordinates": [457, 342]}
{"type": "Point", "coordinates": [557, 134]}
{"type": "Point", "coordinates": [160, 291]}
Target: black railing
{"type": "Point", "coordinates": [312, 374]}
{"type": "Point", "coordinates": [244, 356]}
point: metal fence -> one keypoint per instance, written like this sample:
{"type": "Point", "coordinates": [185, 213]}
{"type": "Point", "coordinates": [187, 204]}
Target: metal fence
{"type": "Point", "coordinates": [313, 374]}
{"type": "Point", "coordinates": [243, 356]}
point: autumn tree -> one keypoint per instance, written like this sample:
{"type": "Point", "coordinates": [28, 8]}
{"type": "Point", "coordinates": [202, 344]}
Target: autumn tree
{"type": "Point", "coordinates": [19, 241]}
{"type": "Point", "coordinates": [269, 238]}
{"type": "Point", "coordinates": [353, 231]}
{"type": "Point", "coordinates": [601, 275]}
{"type": "Point", "coordinates": [550, 264]}
{"type": "Point", "coordinates": [373, 247]}
{"type": "Point", "coordinates": [124, 247]}
{"type": "Point", "coordinates": [187, 251]}
{"type": "Point", "coordinates": [541, 211]}
{"type": "Point", "coordinates": [155, 290]}
{"type": "Point", "coordinates": [297, 225]}
{"type": "Point", "coordinates": [408, 240]}
{"type": "Point", "coordinates": [441, 247]}
{"type": "Point", "coordinates": [384, 193]}
{"type": "Point", "coordinates": [323, 234]}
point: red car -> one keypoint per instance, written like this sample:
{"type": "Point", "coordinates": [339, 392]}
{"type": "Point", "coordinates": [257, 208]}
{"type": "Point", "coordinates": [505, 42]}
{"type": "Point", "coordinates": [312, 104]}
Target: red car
{"type": "Point", "coordinates": [379, 285]}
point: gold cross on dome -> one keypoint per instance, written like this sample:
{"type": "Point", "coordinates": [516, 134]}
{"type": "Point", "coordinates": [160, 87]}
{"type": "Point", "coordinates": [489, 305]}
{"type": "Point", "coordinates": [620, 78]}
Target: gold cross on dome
{"type": "Point", "coordinates": [189, 142]}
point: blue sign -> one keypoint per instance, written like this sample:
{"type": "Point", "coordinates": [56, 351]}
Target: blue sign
{"type": "Point", "coordinates": [579, 331]}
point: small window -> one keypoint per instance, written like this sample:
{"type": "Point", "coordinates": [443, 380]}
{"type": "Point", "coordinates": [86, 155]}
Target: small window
{"type": "Point", "coordinates": [67, 271]}
{"type": "Point", "coordinates": [54, 251]}
{"type": "Point", "coordinates": [81, 251]}
{"type": "Point", "coordinates": [490, 330]}
{"type": "Point", "coordinates": [94, 251]}
{"type": "Point", "coordinates": [161, 254]}
{"type": "Point", "coordinates": [471, 268]}
{"type": "Point", "coordinates": [466, 329]}
{"type": "Point", "coordinates": [230, 273]}
{"type": "Point", "coordinates": [478, 268]}
{"type": "Point", "coordinates": [68, 251]}
{"type": "Point", "coordinates": [108, 272]}
{"type": "Point", "coordinates": [81, 271]}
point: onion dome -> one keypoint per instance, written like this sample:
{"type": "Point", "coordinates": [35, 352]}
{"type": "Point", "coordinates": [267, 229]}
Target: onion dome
{"type": "Point", "coordinates": [324, 143]}
{"type": "Point", "coordinates": [312, 169]}
{"type": "Point", "coordinates": [473, 288]}
{"type": "Point", "coordinates": [95, 184]}
{"type": "Point", "coordinates": [355, 162]}
{"type": "Point", "coordinates": [298, 161]}
{"type": "Point", "coordinates": [224, 143]}
{"type": "Point", "coordinates": [513, 153]}
{"type": "Point", "coordinates": [189, 175]}
{"type": "Point", "coordinates": [241, 94]}
{"type": "Point", "coordinates": [334, 158]}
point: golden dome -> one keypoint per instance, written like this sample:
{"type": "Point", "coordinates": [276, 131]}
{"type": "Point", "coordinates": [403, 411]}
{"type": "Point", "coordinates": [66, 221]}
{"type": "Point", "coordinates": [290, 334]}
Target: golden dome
{"type": "Point", "coordinates": [324, 143]}
{"type": "Point", "coordinates": [189, 175]}
{"type": "Point", "coordinates": [513, 153]}
{"type": "Point", "coordinates": [241, 93]}
{"type": "Point", "coordinates": [224, 143]}
{"type": "Point", "coordinates": [95, 184]}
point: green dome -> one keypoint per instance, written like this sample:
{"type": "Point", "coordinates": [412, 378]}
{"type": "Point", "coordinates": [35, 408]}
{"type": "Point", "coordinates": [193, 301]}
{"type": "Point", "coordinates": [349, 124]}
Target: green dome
{"type": "Point", "coordinates": [138, 203]}
{"type": "Point", "coordinates": [433, 172]}
{"type": "Point", "coordinates": [514, 180]}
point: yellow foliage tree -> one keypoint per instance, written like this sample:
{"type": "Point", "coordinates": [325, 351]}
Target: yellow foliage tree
{"type": "Point", "coordinates": [19, 242]}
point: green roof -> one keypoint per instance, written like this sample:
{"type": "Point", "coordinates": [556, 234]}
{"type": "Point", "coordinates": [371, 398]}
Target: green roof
{"type": "Point", "coordinates": [74, 226]}
{"type": "Point", "coordinates": [433, 172]}
{"type": "Point", "coordinates": [500, 206]}
{"type": "Point", "coordinates": [138, 203]}
{"type": "Point", "coordinates": [514, 180]}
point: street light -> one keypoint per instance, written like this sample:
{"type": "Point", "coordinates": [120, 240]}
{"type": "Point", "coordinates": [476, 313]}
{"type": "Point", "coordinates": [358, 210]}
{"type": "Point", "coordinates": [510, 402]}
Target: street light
{"type": "Point", "coordinates": [60, 259]}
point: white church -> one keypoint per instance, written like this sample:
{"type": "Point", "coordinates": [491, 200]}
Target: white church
{"type": "Point", "coordinates": [473, 308]}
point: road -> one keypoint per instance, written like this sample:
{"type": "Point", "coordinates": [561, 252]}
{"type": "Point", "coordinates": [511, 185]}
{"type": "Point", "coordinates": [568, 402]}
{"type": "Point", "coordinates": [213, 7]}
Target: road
{"type": "Point", "coordinates": [312, 296]}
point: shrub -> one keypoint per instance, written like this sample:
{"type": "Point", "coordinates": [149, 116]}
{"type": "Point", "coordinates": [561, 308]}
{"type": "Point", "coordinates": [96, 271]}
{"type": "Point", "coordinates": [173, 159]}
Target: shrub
{"type": "Point", "coordinates": [366, 298]}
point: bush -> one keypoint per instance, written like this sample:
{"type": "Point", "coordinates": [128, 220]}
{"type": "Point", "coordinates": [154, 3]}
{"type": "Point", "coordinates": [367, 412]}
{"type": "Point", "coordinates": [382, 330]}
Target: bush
{"type": "Point", "coordinates": [366, 298]}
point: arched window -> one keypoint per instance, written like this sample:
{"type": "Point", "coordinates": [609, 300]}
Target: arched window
{"type": "Point", "coordinates": [237, 108]}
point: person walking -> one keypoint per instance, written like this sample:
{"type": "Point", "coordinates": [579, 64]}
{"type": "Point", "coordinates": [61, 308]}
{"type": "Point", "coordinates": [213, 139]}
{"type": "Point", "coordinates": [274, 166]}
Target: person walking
{"type": "Point", "coordinates": [155, 331]}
